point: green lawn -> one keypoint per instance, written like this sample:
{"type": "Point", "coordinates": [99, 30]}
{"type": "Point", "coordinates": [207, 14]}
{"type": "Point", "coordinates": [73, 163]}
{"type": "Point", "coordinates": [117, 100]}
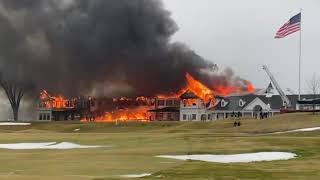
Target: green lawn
{"type": "Point", "coordinates": [134, 146]}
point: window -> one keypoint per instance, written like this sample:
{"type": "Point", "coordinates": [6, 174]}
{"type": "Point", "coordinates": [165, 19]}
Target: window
{"type": "Point", "coordinates": [48, 116]}
{"type": "Point", "coordinates": [44, 116]}
{"type": "Point", "coordinates": [169, 116]}
{"type": "Point", "coordinates": [160, 102]}
{"type": "Point", "coordinates": [224, 103]}
{"type": "Point", "coordinates": [159, 116]}
{"type": "Point", "coordinates": [284, 104]}
{"type": "Point", "coordinates": [203, 117]}
{"type": "Point", "coordinates": [40, 116]}
{"type": "Point", "coordinates": [184, 117]}
{"type": "Point", "coordinates": [194, 117]}
{"type": "Point", "coordinates": [92, 104]}
{"type": "Point", "coordinates": [169, 102]}
{"type": "Point", "coordinates": [209, 117]}
{"type": "Point", "coordinates": [177, 102]}
{"type": "Point", "coordinates": [189, 102]}
{"type": "Point", "coordinates": [241, 103]}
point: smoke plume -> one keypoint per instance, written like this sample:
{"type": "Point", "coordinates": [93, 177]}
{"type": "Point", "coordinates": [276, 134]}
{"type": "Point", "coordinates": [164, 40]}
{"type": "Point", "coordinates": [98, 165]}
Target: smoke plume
{"type": "Point", "coordinates": [100, 47]}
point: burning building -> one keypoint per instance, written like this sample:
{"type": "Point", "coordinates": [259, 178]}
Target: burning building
{"type": "Point", "coordinates": [58, 108]}
{"type": "Point", "coordinates": [190, 103]}
{"type": "Point", "coordinates": [165, 109]}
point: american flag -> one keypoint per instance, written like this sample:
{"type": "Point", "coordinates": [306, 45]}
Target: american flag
{"type": "Point", "coordinates": [293, 25]}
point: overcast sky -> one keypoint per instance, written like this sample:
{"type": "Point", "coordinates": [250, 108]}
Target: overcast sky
{"type": "Point", "coordinates": [240, 34]}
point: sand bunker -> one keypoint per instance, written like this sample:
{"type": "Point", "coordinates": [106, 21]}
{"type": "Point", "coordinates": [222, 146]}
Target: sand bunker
{"type": "Point", "coordinates": [236, 158]}
{"type": "Point", "coordinates": [14, 124]}
{"type": "Point", "coordinates": [136, 175]}
{"type": "Point", "coordinates": [46, 145]}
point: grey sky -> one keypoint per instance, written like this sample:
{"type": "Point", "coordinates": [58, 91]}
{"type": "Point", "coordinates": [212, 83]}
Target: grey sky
{"type": "Point", "coordinates": [240, 34]}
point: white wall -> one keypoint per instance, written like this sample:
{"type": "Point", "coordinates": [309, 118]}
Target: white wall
{"type": "Point", "coordinates": [197, 109]}
{"type": "Point", "coordinates": [189, 112]}
{"type": "Point", "coordinates": [256, 102]}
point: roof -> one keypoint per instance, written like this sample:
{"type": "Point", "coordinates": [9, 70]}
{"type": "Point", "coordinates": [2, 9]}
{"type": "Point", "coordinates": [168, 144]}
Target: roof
{"type": "Point", "coordinates": [233, 102]}
{"type": "Point", "coordinates": [189, 95]}
{"type": "Point", "coordinates": [269, 88]}
{"type": "Point", "coordinates": [275, 101]}
{"type": "Point", "coordinates": [310, 101]}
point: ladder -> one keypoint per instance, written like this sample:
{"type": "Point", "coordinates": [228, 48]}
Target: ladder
{"type": "Point", "coordinates": [283, 96]}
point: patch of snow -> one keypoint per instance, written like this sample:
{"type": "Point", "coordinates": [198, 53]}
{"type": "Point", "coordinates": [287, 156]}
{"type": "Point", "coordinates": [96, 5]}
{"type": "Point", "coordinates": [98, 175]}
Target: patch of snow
{"type": "Point", "coordinates": [75, 130]}
{"type": "Point", "coordinates": [68, 145]}
{"type": "Point", "coordinates": [14, 124]}
{"type": "Point", "coordinates": [299, 130]}
{"type": "Point", "coordinates": [25, 145]}
{"type": "Point", "coordinates": [136, 175]}
{"type": "Point", "coordinates": [306, 129]}
{"type": "Point", "coordinates": [46, 145]}
{"type": "Point", "coordinates": [236, 158]}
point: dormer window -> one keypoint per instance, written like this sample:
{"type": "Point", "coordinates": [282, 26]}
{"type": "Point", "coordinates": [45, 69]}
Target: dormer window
{"type": "Point", "coordinates": [241, 103]}
{"type": "Point", "coordinates": [269, 106]}
{"type": "Point", "coordinates": [284, 104]}
{"type": "Point", "coordinates": [224, 103]}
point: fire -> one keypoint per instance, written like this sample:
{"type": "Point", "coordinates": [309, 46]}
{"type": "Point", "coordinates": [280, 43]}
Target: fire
{"type": "Point", "coordinates": [227, 90]}
{"type": "Point", "coordinates": [58, 102]}
{"type": "Point", "coordinates": [207, 94]}
{"type": "Point", "coordinates": [196, 87]}
{"type": "Point", "coordinates": [136, 109]}
{"type": "Point", "coordinates": [127, 114]}
{"type": "Point", "coordinates": [250, 87]}
{"type": "Point", "coordinates": [141, 100]}
{"type": "Point", "coordinates": [199, 89]}
{"type": "Point", "coordinates": [135, 114]}
{"type": "Point", "coordinates": [127, 109]}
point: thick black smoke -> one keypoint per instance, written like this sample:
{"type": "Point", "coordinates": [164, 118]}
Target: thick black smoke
{"type": "Point", "coordinates": [105, 47]}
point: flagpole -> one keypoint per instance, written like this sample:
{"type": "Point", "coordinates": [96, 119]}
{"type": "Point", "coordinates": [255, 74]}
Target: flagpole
{"type": "Point", "coordinates": [300, 55]}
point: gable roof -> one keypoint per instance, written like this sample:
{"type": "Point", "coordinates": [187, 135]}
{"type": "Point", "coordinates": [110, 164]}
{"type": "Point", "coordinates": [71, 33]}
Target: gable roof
{"type": "Point", "coordinates": [189, 95]}
{"type": "Point", "coordinates": [275, 101]}
{"type": "Point", "coordinates": [257, 102]}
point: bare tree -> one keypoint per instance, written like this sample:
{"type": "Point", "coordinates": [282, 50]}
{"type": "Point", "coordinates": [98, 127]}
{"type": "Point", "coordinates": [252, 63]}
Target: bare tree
{"type": "Point", "coordinates": [14, 93]}
{"type": "Point", "coordinates": [314, 87]}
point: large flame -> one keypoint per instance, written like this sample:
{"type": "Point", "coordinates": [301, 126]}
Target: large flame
{"type": "Point", "coordinates": [207, 94]}
{"type": "Point", "coordinates": [59, 102]}
{"type": "Point", "coordinates": [129, 109]}
{"type": "Point", "coordinates": [127, 114]}
{"type": "Point", "coordinates": [199, 89]}
{"type": "Point", "coordinates": [227, 90]}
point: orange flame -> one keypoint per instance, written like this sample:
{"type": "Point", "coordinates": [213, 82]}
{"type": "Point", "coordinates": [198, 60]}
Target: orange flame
{"type": "Point", "coordinates": [58, 102]}
{"type": "Point", "coordinates": [128, 114]}
{"type": "Point", "coordinates": [250, 87]}
{"type": "Point", "coordinates": [199, 89]}
{"type": "Point", "coordinates": [227, 90]}
{"type": "Point", "coordinates": [136, 109]}
{"type": "Point", "coordinates": [207, 94]}
{"type": "Point", "coordinates": [196, 87]}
